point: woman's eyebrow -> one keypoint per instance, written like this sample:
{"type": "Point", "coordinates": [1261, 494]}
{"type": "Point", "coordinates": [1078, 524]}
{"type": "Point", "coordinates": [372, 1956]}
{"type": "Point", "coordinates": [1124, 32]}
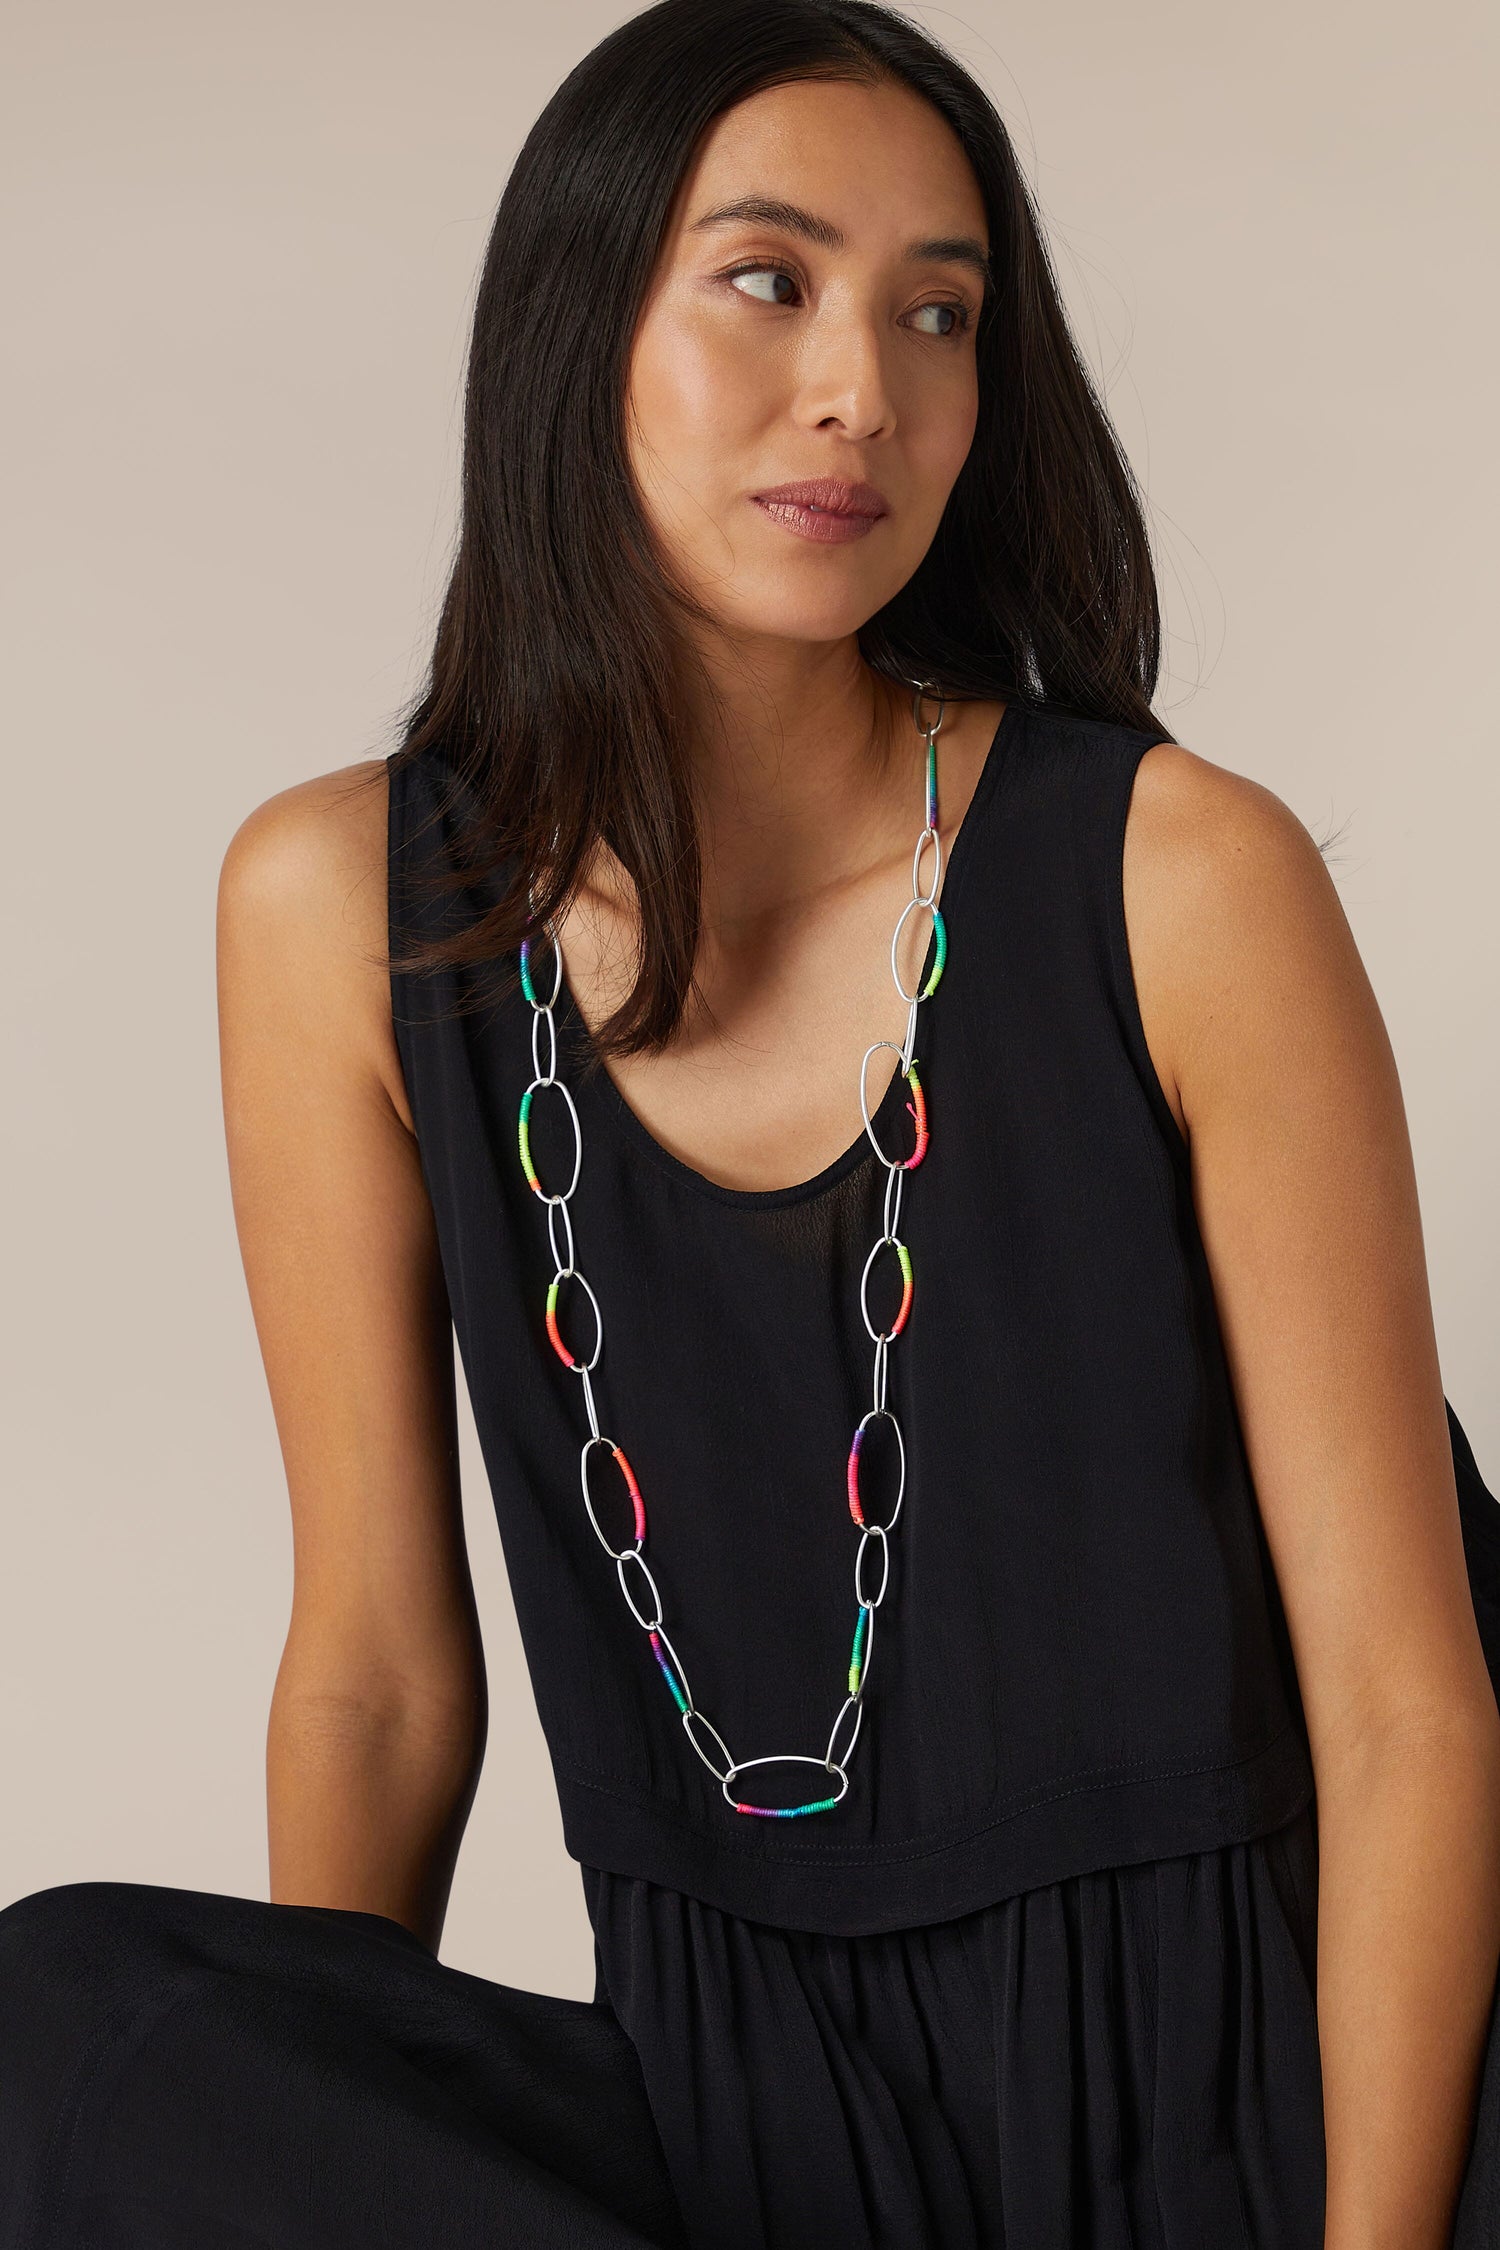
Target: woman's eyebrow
{"type": "Point", "coordinates": [767, 210]}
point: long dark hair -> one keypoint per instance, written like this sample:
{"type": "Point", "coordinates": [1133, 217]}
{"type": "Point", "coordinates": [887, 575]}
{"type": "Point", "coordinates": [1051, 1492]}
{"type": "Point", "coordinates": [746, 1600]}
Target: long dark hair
{"type": "Point", "coordinates": [553, 700]}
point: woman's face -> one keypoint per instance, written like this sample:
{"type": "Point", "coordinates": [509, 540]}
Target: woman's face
{"type": "Point", "coordinates": [825, 331]}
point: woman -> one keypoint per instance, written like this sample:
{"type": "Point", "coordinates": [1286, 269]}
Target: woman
{"type": "Point", "coordinates": [1138, 1880]}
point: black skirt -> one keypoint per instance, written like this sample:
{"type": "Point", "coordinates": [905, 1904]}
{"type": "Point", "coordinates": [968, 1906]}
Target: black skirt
{"type": "Point", "coordinates": [1125, 2059]}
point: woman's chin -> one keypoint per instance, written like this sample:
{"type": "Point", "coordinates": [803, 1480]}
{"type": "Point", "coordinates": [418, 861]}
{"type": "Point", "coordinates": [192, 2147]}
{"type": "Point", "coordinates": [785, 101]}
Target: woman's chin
{"type": "Point", "coordinates": [793, 610]}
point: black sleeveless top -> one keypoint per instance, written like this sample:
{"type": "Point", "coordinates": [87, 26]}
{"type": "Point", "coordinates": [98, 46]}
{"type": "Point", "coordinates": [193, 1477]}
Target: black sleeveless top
{"type": "Point", "coordinates": [1082, 1660]}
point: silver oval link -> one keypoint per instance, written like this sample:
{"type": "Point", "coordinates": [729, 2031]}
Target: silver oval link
{"type": "Point", "coordinates": [588, 1400]}
{"type": "Point", "coordinates": [557, 1208]}
{"type": "Point", "coordinates": [921, 897]}
{"type": "Point", "coordinates": [909, 1042]}
{"type": "Point", "coordinates": [872, 1531]}
{"type": "Point", "coordinates": [632, 1546]}
{"type": "Point", "coordinates": [895, 1181]}
{"type": "Point", "coordinates": [877, 1335]}
{"type": "Point", "coordinates": [926, 692]}
{"type": "Point", "coordinates": [850, 1703]}
{"type": "Point", "coordinates": [912, 906]}
{"type": "Point", "coordinates": [882, 1413]}
{"type": "Point", "coordinates": [585, 1366]}
{"type": "Point", "coordinates": [881, 1369]}
{"type": "Point", "coordinates": [564, 1193]}
{"type": "Point", "coordinates": [890, 1163]}
{"type": "Point", "coordinates": [782, 1758]}
{"type": "Point", "coordinates": [698, 1718]}
{"type": "Point", "coordinates": [633, 1554]}
{"type": "Point", "coordinates": [540, 1016]}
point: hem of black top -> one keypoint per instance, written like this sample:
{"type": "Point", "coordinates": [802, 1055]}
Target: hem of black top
{"type": "Point", "coordinates": [854, 1890]}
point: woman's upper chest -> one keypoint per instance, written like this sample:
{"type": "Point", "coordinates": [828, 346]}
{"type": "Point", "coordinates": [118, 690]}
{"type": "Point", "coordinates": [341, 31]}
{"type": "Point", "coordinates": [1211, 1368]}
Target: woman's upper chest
{"type": "Point", "coordinates": [761, 1088]}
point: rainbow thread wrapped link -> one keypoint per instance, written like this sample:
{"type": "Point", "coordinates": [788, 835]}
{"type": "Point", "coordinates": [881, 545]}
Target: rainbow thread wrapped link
{"type": "Point", "coordinates": [932, 801]}
{"type": "Point", "coordinates": [558, 1345]}
{"type": "Point", "coordinates": [526, 984]}
{"type": "Point", "coordinates": [636, 1502]}
{"type": "Point", "coordinates": [905, 1257]}
{"type": "Point", "coordinates": [918, 1113]}
{"type": "Point", "coordinates": [670, 1676]}
{"type": "Point", "coordinates": [787, 1812]}
{"type": "Point", "coordinates": [940, 932]}
{"type": "Point", "coordinates": [857, 1653]}
{"type": "Point", "coordinates": [851, 1477]}
{"type": "Point", "coordinates": [523, 1135]}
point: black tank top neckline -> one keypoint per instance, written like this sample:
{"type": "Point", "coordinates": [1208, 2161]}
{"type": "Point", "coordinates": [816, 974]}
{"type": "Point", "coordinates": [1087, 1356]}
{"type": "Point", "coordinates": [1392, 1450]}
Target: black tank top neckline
{"type": "Point", "coordinates": [618, 1112]}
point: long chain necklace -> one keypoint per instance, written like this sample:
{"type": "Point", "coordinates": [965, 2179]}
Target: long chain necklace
{"type": "Point", "coordinates": [631, 1568]}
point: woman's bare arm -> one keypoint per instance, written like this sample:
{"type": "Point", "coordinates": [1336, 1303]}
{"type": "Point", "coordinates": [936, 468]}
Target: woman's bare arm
{"type": "Point", "coordinates": [1275, 1055]}
{"type": "Point", "coordinates": [378, 1718]}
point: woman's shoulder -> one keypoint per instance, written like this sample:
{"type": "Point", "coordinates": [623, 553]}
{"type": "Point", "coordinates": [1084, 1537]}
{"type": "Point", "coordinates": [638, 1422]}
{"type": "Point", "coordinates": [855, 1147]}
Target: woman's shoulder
{"type": "Point", "coordinates": [295, 841]}
{"type": "Point", "coordinates": [1231, 916]}
{"type": "Point", "coordinates": [302, 912]}
{"type": "Point", "coordinates": [1216, 860]}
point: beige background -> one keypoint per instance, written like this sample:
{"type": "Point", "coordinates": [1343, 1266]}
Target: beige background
{"type": "Point", "coordinates": [241, 249]}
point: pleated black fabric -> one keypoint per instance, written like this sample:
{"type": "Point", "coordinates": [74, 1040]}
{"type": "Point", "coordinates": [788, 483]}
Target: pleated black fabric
{"type": "Point", "coordinates": [1125, 2060]}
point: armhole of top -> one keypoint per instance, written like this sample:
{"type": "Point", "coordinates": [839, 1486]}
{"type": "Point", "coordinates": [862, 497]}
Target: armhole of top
{"type": "Point", "coordinates": [1124, 972]}
{"type": "Point", "coordinates": [395, 832]}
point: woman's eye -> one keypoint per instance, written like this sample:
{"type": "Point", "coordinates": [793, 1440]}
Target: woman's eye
{"type": "Point", "coordinates": [960, 319]}
{"type": "Point", "coordinates": [759, 273]}
{"type": "Point", "coordinates": [767, 294]}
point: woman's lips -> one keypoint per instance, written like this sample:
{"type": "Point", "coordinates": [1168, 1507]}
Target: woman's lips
{"type": "Point", "coordinates": [823, 524]}
{"type": "Point", "coordinates": [827, 510]}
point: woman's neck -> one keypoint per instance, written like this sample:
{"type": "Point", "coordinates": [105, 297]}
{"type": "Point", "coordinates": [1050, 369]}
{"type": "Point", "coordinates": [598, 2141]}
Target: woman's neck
{"type": "Point", "coordinates": [804, 783]}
